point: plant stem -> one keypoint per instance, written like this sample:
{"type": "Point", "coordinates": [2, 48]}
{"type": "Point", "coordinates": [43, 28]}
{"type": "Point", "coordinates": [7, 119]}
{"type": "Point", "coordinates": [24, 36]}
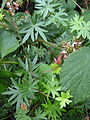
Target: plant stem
{"type": "Point", "coordinates": [8, 62]}
{"type": "Point", "coordinates": [86, 3]}
{"type": "Point", "coordinates": [4, 25]}
{"type": "Point", "coordinates": [7, 117]}
{"type": "Point", "coordinates": [78, 6]}
{"type": "Point", "coordinates": [42, 93]}
{"type": "Point", "coordinates": [49, 43]}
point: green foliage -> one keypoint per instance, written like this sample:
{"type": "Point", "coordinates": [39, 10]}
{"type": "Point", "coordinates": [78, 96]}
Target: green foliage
{"type": "Point", "coordinates": [45, 72]}
{"type": "Point", "coordinates": [55, 68]}
{"type": "Point", "coordinates": [33, 29]}
{"type": "Point", "coordinates": [64, 99]}
{"type": "Point", "coordinates": [58, 18]}
{"type": "Point", "coordinates": [86, 15]}
{"type": "Point", "coordinates": [8, 43]}
{"type": "Point", "coordinates": [82, 28]}
{"type": "Point", "coordinates": [76, 22]}
{"type": "Point", "coordinates": [43, 60]}
{"type": "Point", "coordinates": [52, 87]}
{"type": "Point", "coordinates": [3, 85]}
{"type": "Point", "coordinates": [21, 92]}
{"type": "Point", "coordinates": [3, 3]}
{"type": "Point", "coordinates": [75, 72]}
{"type": "Point", "coordinates": [39, 115]}
{"type": "Point", "coordinates": [85, 31]}
{"type": "Point", "coordinates": [21, 115]}
{"type": "Point", "coordinates": [69, 5]}
{"type": "Point", "coordinates": [46, 7]}
{"type": "Point", "coordinates": [53, 111]}
{"type": "Point", "coordinates": [1, 15]}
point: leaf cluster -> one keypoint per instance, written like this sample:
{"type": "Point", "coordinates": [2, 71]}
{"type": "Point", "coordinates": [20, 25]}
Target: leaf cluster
{"type": "Point", "coordinates": [44, 61]}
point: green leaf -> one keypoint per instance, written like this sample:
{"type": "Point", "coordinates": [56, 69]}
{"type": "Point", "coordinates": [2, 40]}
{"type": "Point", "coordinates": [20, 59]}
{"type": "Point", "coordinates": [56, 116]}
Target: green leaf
{"type": "Point", "coordinates": [80, 26]}
{"type": "Point", "coordinates": [39, 115]}
{"type": "Point", "coordinates": [75, 75]}
{"type": "Point", "coordinates": [22, 115]}
{"type": "Point", "coordinates": [4, 84]}
{"type": "Point", "coordinates": [21, 92]}
{"type": "Point", "coordinates": [34, 29]}
{"type": "Point", "coordinates": [84, 30]}
{"type": "Point", "coordinates": [71, 5]}
{"type": "Point", "coordinates": [64, 99]}
{"type": "Point", "coordinates": [8, 43]}
{"type": "Point", "coordinates": [86, 15]}
{"type": "Point", "coordinates": [45, 71]}
{"type": "Point", "coordinates": [45, 7]}
{"type": "Point", "coordinates": [3, 3]}
{"type": "Point", "coordinates": [76, 22]}
{"type": "Point", "coordinates": [53, 111]}
{"type": "Point", "coordinates": [6, 74]}
{"type": "Point", "coordinates": [52, 87]}
{"type": "Point", "coordinates": [55, 68]}
{"type": "Point", "coordinates": [58, 18]}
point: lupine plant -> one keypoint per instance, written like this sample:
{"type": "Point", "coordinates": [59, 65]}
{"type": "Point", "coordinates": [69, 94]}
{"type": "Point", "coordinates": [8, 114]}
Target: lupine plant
{"type": "Point", "coordinates": [44, 60]}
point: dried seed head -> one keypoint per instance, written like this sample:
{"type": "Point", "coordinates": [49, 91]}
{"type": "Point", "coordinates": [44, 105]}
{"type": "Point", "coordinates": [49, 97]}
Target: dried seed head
{"type": "Point", "coordinates": [23, 106]}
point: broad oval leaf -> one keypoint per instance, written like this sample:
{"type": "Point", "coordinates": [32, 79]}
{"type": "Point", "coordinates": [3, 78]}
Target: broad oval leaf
{"type": "Point", "coordinates": [71, 4]}
{"type": "Point", "coordinates": [75, 75]}
{"type": "Point", "coordinates": [8, 43]}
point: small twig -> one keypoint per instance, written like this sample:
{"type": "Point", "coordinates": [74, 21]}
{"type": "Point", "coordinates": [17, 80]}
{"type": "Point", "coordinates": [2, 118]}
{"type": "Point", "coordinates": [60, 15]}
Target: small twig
{"type": "Point", "coordinates": [42, 93]}
{"type": "Point", "coordinates": [8, 62]}
{"type": "Point", "coordinates": [7, 117]}
{"type": "Point", "coordinates": [86, 3]}
{"type": "Point", "coordinates": [49, 43]}
{"type": "Point", "coordinates": [78, 6]}
{"type": "Point", "coordinates": [4, 25]}
{"type": "Point", "coordinates": [35, 106]}
{"type": "Point", "coordinates": [27, 5]}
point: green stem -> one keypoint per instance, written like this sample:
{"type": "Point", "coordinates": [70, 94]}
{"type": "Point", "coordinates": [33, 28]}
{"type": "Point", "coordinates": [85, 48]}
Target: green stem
{"type": "Point", "coordinates": [4, 25]}
{"type": "Point", "coordinates": [49, 43]}
{"type": "Point", "coordinates": [42, 93]}
{"type": "Point", "coordinates": [8, 62]}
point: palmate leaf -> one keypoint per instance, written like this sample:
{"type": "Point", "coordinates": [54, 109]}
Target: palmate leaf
{"type": "Point", "coordinates": [45, 7]}
{"type": "Point", "coordinates": [34, 29]}
{"type": "Point", "coordinates": [80, 26]}
{"type": "Point", "coordinates": [75, 75]}
{"type": "Point", "coordinates": [52, 87]}
{"type": "Point", "coordinates": [39, 115]}
{"type": "Point", "coordinates": [84, 30]}
{"type": "Point", "coordinates": [53, 111]}
{"type": "Point", "coordinates": [58, 18]}
{"type": "Point", "coordinates": [75, 23]}
{"type": "Point", "coordinates": [64, 99]}
{"type": "Point", "coordinates": [21, 92]}
{"type": "Point", "coordinates": [22, 115]}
